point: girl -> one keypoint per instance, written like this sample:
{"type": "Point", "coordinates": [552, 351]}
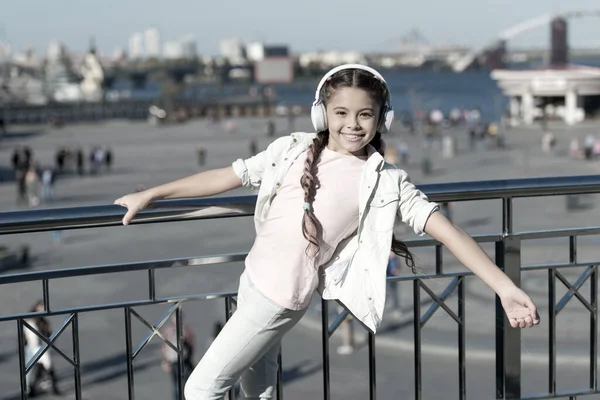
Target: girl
{"type": "Point", "coordinates": [324, 218]}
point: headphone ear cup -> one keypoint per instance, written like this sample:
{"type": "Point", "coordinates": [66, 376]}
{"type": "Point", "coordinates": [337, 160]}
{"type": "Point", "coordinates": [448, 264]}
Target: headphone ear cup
{"type": "Point", "coordinates": [386, 120]}
{"type": "Point", "coordinates": [318, 117]}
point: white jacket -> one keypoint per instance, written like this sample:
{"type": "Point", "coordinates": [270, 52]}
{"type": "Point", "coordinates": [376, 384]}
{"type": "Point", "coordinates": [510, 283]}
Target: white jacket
{"type": "Point", "coordinates": [356, 273]}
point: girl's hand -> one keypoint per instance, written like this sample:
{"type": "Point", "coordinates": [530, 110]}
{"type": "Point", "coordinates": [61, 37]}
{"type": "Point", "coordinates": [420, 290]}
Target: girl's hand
{"type": "Point", "coordinates": [134, 202]}
{"type": "Point", "coordinates": [519, 308]}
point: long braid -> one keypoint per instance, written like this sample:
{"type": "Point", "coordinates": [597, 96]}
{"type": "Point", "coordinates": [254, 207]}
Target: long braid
{"type": "Point", "coordinates": [311, 227]}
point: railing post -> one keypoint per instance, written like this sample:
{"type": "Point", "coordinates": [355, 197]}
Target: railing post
{"type": "Point", "coordinates": [325, 344]}
{"type": "Point", "coordinates": [508, 340]}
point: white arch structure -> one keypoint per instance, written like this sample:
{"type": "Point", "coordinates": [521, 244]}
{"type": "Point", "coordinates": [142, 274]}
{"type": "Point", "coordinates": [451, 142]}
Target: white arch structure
{"type": "Point", "coordinates": [464, 62]}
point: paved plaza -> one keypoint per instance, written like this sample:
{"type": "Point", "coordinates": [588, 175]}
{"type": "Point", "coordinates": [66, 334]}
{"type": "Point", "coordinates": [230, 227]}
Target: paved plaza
{"type": "Point", "coordinates": [147, 155]}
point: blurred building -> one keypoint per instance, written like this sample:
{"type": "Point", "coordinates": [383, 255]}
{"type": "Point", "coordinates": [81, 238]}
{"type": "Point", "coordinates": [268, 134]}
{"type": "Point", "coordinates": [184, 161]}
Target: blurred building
{"type": "Point", "coordinates": [567, 92]}
{"type": "Point", "coordinates": [136, 46]}
{"type": "Point", "coordinates": [331, 58]}
{"type": "Point", "coordinates": [152, 42]}
{"type": "Point", "coordinates": [184, 48]}
{"type": "Point", "coordinates": [234, 50]}
{"type": "Point", "coordinates": [5, 52]}
{"type": "Point", "coordinates": [259, 51]}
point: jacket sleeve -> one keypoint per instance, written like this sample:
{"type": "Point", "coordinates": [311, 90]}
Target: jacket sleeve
{"type": "Point", "coordinates": [251, 170]}
{"type": "Point", "coordinates": [414, 208]}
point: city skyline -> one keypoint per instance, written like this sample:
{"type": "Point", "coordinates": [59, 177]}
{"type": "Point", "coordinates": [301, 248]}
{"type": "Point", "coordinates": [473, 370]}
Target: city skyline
{"type": "Point", "coordinates": [357, 26]}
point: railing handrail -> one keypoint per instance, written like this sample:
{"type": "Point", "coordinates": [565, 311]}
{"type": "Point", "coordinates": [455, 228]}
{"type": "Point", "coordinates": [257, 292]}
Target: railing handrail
{"type": "Point", "coordinates": [41, 220]}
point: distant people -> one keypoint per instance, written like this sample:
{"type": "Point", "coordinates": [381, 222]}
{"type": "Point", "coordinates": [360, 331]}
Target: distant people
{"type": "Point", "coordinates": [230, 127]}
{"type": "Point", "coordinates": [270, 128]}
{"type": "Point", "coordinates": [574, 150]}
{"type": "Point", "coordinates": [15, 158]}
{"type": "Point", "coordinates": [80, 160]}
{"type": "Point", "coordinates": [32, 184]}
{"type": "Point", "coordinates": [2, 127]}
{"type": "Point", "coordinates": [108, 159]}
{"type": "Point", "coordinates": [20, 167]}
{"type": "Point", "coordinates": [472, 137]}
{"type": "Point", "coordinates": [548, 142]}
{"type": "Point", "coordinates": [348, 338]}
{"type": "Point", "coordinates": [253, 147]}
{"type": "Point", "coordinates": [588, 146]}
{"type": "Point", "coordinates": [291, 117]}
{"type": "Point", "coordinates": [97, 155]}
{"type": "Point", "coordinates": [60, 159]}
{"type": "Point", "coordinates": [201, 152]}
{"type": "Point", "coordinates": [43, 369]}
{"type": "Point", "coordinates": [391, 155]}
{"type": "Point", "coordinates": [597, 149]}
{"type": "Point", "coordinates": [28, 155]}
{"type": "Point", "coordinates": [169, 359]}
{"type": "Point", "coordinates": [392, 295]}
{"type": "Point", "coordinates": [403, 152]}
{"type": "Point", "coordinates": [47, 184]}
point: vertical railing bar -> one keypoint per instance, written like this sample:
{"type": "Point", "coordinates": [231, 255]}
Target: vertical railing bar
{"type": "Point", "coordinates": [76, 355]}
{"type": "Point", "coordinates": [228, 314]}
{"type": "Point", "coordinates": [462, 370]}
{"type": "Point", "coordinates": [279, 375]}
{"type": "Point", "coordinates": [372, 365]}
{"type": "Point", "coordinates": [594, 330]}
{"type": "Point", "coordinates": [417, 337]}
{"type": "Point", "coordinates": [507, 220]}
{"type": "Point", "coordinates": [179, 333]}
{"type": "Point", "coordinates": [439, 261]}
{"type": "Point", "coordinates": [552, 331]}
{"type": "Point", "coordinates": [22, 361]}
{"type": "Point", "coordinates": [228, 308]}
{"type": "Point", "coordinates": [151, 285]}
{"type": "Point", "coordinates": [129, 359]}
{"type": "Point", "coordinates": [508, 255]}
{"type": "Point", "coordinates": [500, 377]}
{"type": "Point", "coordinates": [325, 344]}
{"type": "Point", "coordinates": [46, 294]}
{"type": "Point", "coordinates": [573, 249]}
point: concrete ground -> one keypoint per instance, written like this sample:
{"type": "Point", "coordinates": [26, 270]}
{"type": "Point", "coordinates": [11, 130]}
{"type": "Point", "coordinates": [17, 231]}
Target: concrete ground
{"type": "Point", "coordinates": [146, 155]}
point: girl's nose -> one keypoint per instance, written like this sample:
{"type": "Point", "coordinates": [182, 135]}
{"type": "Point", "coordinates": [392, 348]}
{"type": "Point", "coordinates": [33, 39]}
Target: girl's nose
{"type": "Point", "coordinates": [353, 124]}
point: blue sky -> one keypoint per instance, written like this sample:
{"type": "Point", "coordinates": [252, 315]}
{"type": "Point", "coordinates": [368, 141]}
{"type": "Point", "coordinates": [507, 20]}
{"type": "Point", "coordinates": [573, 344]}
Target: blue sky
{"type": "Point", "coordinates": [306, 25]}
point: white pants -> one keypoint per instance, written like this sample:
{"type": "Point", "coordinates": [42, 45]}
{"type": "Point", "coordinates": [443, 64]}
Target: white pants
{"type": "Point", "coordinates": [246, 348]}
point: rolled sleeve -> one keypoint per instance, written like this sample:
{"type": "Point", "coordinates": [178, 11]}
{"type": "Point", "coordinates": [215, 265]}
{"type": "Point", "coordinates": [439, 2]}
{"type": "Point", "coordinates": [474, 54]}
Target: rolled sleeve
{"type": "Point", "coordinates": [250, 170]}
{"type": "Point", "coordinates": [414, 207]}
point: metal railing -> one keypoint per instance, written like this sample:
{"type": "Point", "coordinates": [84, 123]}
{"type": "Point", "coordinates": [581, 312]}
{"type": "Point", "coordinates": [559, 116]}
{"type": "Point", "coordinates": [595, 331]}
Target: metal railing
{"type": "Point", "coordinates": [507, 254]}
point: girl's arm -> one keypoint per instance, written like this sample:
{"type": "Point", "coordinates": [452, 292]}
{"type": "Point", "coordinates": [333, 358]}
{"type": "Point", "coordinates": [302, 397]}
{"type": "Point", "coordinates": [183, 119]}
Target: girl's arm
{"type": "Point", "coordinates": [468, 252]}
{"type": "Point", "coordinates": [520, 309]}
{"type": "Point", "coordinates": [207, 183]}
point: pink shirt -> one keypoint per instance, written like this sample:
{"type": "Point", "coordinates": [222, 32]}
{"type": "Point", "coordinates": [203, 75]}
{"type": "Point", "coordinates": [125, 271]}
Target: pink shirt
{"type": "Point", "coordinates": [277, 264]}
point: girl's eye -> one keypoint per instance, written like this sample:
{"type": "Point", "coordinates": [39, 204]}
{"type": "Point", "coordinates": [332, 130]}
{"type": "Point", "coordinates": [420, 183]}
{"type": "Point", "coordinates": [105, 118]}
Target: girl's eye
{"type": "Point", "coordinates": [367, 115]}
{"type": "Point", "coordinates": [340, 113]}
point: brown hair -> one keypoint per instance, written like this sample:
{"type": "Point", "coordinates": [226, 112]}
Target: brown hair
{"type": "Point", "coordinates": [311, 227]}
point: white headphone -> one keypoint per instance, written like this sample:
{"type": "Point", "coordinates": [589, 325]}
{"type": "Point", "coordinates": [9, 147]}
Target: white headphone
{"type": "Point", "coordinates": [318, 113]}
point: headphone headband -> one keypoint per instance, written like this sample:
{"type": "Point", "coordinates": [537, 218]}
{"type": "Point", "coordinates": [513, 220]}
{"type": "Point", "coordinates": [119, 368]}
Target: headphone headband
{"type": "Point", "coordinates": [329, 74]}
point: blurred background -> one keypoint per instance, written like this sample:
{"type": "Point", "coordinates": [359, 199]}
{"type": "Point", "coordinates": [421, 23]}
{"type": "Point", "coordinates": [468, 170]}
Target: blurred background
{"type": "Point", "coordinates": [103, 98]}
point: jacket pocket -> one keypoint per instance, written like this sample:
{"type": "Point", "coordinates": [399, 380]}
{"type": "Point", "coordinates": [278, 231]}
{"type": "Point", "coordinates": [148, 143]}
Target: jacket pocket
{"type": "Point", "coordinates": [382, 200]}
{"type": "Point", "coordinates": [382, 212]}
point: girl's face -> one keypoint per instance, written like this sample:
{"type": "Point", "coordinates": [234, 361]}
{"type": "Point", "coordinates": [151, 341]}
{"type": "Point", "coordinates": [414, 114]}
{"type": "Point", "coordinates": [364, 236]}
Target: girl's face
{"type": "Point", "coordinates": [353, 118]}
